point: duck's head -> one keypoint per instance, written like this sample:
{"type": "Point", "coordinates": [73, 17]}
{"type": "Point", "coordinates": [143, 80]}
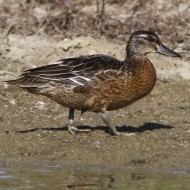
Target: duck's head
{"type": "Point", "coordinates": [144, 42]}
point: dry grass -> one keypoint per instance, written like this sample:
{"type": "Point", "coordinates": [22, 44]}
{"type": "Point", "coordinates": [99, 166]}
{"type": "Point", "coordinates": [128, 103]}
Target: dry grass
{"type": "Point", "coordinates": [108, 18]}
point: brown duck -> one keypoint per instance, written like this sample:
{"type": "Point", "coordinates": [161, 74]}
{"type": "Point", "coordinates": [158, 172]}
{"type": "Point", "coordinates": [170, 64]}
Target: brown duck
{"type": "Point", "coordinates": [98, 83]}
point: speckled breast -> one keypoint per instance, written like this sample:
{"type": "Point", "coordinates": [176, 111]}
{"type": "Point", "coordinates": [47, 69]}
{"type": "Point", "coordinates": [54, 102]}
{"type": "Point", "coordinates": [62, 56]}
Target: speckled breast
{"type": "Point", "coordinates": [134, 86]}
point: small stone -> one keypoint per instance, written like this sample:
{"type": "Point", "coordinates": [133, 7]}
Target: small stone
{"type": "Point", "coordinates": [183, 7]}
{"type": "Point", "coordinates": [40, 105]}
{"type": "Point", "coordinates": [13, 102]}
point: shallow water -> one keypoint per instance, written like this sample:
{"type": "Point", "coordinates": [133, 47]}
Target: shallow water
{"type": "Point", "coordinates": [79, 177]}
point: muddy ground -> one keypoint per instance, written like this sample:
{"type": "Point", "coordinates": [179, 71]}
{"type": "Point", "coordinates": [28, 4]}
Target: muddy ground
{"type": "Point", "coordinates": [32, 127]}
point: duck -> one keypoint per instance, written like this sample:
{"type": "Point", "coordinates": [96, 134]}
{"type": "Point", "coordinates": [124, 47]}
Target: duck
{"type": "Point", "coordinates": [98, 83]}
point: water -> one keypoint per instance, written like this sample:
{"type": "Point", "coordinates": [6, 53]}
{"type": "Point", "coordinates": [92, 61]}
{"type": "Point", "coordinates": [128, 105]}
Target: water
{"type": "Point", "coordinates": [44, 176]}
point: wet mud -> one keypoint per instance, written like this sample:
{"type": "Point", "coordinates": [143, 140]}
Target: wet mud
{"type": "Point", "coordinates": [32, 127]}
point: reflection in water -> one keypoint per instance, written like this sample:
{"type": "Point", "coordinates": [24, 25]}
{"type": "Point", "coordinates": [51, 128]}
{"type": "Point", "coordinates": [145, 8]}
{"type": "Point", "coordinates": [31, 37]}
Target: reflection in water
{"type": "Point", "coordinates": [43, 176]}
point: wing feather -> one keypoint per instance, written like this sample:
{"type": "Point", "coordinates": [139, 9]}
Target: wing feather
{"type": "Point", "coordinates": [72, 71]}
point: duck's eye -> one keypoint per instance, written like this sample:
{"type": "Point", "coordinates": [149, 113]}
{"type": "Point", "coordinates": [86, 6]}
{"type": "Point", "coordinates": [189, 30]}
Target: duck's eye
{"type": "Point", "coordinates": [150, 39]}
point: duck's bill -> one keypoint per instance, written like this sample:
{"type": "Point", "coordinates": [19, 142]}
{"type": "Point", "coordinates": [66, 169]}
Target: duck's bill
{"type": "Point", "coordinates": [165, 51]}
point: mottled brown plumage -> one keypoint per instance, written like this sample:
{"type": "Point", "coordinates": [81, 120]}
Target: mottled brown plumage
{"type": "Point", "coordinates": [98, 83]}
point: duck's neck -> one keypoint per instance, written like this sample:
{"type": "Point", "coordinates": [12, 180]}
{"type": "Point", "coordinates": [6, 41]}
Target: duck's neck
{"type": "Point", "coordinates": [136, 60]}
{"type": "Point", "coordinates": [135, 55]}
{"type": "Point", "coordinates": [139, 62]}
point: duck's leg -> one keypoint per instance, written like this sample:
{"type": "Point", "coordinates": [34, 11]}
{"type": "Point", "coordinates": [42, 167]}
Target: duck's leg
{"type": "Point", "coordinates": [113, 131]}
{"type": "Point", "coordinates": [72, 129]}
{"type": "Point", "coordinates": [70, 126]}
{"type": "Point", "coordinates": [106, 119]}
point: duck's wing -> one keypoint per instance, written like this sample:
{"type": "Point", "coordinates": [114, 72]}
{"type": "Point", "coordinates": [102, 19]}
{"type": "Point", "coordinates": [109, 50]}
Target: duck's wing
{"type": "Point", "coordinates": [72, 71]}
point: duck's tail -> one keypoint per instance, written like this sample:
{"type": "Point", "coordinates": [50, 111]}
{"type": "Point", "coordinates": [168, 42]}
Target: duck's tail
{"type": "Point", "coordinates": [27, 83]}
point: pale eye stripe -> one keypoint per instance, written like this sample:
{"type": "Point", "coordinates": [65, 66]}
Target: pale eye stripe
{"type": "Point", "coordinates": [72, 79]}
{"type": "Point", "coordinates": [143, 35]}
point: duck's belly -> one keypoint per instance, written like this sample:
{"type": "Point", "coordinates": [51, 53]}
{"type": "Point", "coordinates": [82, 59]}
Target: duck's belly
{"type": "Point", "coordinates": [64, 95]}
{"type": "Point", "coordinates": [123, 102]}
{"type": "Point", "coordinates": [95, 101]}
{"type": "Point", "coordinates": [73, 101]}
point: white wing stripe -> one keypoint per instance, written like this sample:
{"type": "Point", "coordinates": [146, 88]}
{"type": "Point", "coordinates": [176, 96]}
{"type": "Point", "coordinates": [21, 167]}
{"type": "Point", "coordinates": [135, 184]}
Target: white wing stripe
{"type": "Point", "coordinates": [85, 78]}
{"type": "Point", "coordinates": [72, 79]}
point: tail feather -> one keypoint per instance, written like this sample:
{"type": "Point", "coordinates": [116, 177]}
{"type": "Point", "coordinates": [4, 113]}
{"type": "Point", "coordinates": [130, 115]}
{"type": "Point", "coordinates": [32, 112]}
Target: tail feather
{"type": "Point", "coordinates": [30, 86]}
{"type": "Point", "coordinates": [26, 81]}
